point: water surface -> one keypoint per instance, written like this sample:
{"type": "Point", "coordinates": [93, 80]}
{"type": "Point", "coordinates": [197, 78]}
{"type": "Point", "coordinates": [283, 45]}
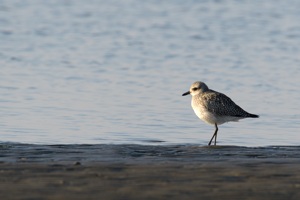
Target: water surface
{"type": "Point", "coordinates": [112, 72]}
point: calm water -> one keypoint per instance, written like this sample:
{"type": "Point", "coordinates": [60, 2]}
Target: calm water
{"type": "Point", "coordinates": [107, 72]}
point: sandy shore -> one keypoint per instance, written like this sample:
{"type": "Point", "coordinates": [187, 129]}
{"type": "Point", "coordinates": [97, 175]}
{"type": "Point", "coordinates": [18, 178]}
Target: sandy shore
{"type": "Point", "coordinates": [148, 172]}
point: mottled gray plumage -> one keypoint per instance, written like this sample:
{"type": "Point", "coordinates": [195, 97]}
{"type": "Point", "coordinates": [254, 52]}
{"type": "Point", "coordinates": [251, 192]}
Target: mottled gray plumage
{"type": "Point", "coordinates": [214, 107]}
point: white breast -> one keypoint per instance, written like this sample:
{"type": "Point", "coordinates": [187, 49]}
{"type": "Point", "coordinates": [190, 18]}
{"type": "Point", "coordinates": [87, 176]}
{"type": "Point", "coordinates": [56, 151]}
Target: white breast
{"type": "Point", "coordinates": [203, 113]}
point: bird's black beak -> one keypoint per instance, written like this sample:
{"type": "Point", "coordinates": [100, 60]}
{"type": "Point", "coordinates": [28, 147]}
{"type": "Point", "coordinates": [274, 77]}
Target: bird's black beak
{"type": "Point", "coordinates": [188, 92]}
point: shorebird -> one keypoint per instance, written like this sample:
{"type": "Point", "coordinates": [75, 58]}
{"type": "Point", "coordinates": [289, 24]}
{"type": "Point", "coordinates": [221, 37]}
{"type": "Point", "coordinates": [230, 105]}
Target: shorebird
{"type": "Point", "coordinates": [214, 107]}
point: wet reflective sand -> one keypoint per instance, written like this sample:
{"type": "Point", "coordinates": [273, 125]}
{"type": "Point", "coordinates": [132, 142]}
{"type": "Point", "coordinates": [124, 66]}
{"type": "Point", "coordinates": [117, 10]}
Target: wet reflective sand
{"type": "Point", "coordinates": [148, 172]}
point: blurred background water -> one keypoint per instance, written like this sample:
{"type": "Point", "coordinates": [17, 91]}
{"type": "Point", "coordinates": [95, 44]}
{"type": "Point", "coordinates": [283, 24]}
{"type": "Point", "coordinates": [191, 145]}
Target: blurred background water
{"type": "Point", "coordinates": [95, 71]}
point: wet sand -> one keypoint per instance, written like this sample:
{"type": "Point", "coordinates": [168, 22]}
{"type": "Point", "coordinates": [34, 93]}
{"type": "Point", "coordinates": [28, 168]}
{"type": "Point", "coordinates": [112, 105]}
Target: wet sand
{"type": "Point", "coordinates": [148, 172]}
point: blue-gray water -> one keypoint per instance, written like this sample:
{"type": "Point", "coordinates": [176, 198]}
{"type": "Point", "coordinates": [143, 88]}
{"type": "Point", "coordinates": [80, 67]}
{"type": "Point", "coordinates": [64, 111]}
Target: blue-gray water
{"type": "Point", "coordinates": [97, 72]}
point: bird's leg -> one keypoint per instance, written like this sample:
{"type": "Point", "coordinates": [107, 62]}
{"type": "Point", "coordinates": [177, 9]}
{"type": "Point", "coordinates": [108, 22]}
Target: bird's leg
{"type": "Point", "coordinates": [211, 139]}
{"type": "Point", "coordinates": [214, 136]}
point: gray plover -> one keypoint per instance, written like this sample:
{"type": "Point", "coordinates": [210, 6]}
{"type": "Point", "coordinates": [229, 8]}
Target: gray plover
{"type": "Point", "coordinates": [215, 108]}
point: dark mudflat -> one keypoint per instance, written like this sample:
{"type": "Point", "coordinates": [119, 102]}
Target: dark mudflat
{"type": "Point", "coordinates": [148, 172]}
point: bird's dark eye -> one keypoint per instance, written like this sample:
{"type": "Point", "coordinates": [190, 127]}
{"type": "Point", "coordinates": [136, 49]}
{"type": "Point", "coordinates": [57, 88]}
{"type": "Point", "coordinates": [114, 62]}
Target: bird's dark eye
{"type": "Point", "coordinates": [194, 89]}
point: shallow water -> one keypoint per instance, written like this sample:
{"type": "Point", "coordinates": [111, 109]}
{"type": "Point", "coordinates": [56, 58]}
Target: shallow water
{"type": "Point", "coordinates": [112, 72]}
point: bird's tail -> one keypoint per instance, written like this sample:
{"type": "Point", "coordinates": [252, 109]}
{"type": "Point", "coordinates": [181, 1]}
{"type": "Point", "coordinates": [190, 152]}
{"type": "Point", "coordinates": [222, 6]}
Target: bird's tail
{"type": "Point", "coordinates": [253, 116]}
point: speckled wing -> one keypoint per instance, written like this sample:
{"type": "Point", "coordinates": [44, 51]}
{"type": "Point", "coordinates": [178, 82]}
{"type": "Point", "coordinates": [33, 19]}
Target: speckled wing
{"type": "Point", "coordinates": [222, 105]}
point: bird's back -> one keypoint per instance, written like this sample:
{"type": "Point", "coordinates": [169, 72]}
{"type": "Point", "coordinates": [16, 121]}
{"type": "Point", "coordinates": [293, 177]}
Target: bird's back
{"type": "Point", "coordinates": [221, 105]}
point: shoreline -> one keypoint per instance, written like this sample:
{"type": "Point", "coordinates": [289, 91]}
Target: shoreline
{"type": "Point", "coordinates": [132, 153]}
